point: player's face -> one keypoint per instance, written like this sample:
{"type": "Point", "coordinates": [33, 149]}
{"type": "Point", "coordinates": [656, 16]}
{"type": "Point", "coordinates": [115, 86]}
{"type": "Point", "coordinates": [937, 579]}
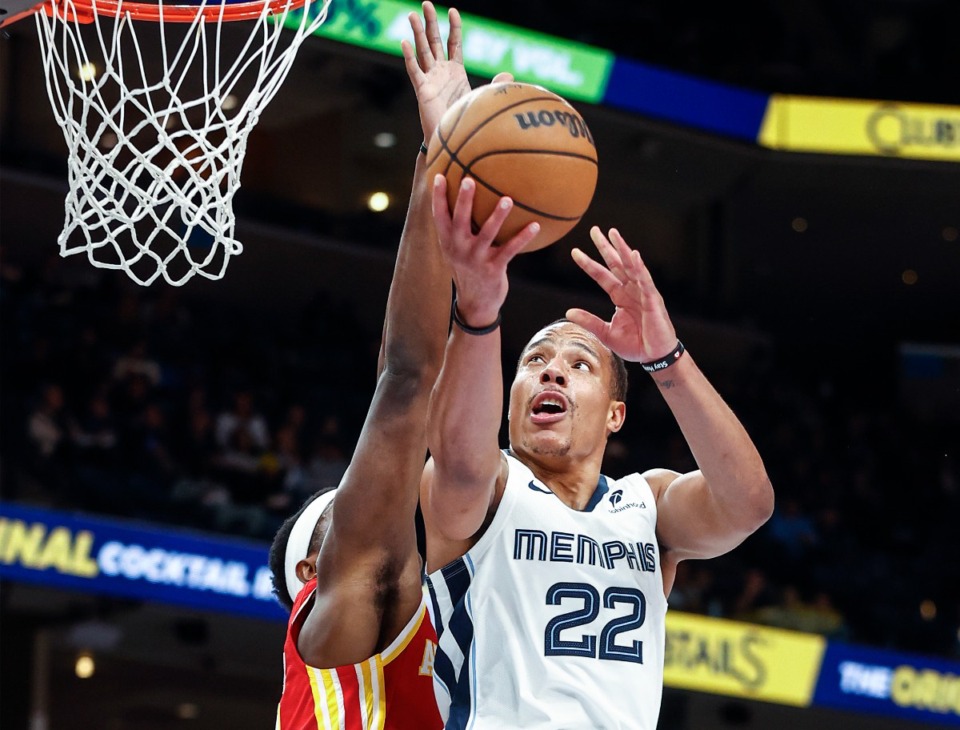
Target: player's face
{"type": "Point", "coordinates": [560, 402]}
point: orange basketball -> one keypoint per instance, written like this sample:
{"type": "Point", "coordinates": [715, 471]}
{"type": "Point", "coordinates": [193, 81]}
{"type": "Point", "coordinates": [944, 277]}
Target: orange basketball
{"type": "Point", "coordinates": [522, 141]}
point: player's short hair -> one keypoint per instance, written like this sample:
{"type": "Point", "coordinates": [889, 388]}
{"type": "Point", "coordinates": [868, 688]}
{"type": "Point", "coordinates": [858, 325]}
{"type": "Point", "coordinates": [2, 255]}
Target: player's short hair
{"type": "Point", "coordinates": [618, 387]}
{"type": "Point", "coordinates": [618, 368]}
{"type": "Point", "coordinates": [278, 551]}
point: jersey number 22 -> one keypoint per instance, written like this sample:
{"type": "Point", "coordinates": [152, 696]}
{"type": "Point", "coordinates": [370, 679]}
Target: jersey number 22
{"type": "Point", "coordinates": [587, 644]}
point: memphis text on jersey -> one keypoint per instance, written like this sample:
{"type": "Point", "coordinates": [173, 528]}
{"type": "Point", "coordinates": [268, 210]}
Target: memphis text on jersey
{"type": "Point", "coordinates": [568, 547]}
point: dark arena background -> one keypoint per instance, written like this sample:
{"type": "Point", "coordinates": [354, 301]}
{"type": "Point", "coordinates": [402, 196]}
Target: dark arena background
{"type": "Point", "coordinates": [790, 170]}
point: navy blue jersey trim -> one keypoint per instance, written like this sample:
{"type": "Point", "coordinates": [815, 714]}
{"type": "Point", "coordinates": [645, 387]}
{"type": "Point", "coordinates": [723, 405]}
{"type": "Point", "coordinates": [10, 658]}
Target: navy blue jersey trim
{"type": "Point", "coordinates": [457, 577]}
{"type": "Point", "coordinates": [444, 671]}
{"type": "Point", "coordinates": [437, 615]}
{"type": "Point", "coordinates": [598, 494]}
{"type": "Point", "coordinates": [462, 700]}
{"type": "Point", "coordinates": [461, 627]}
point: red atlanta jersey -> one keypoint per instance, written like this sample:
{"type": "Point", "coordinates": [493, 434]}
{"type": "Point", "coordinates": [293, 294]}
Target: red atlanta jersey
{"type": "Point", "coordinates": [390, 691]}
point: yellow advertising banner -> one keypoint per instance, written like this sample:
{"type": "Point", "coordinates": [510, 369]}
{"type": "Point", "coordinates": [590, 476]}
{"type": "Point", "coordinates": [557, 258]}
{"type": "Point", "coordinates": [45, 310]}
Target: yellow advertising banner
{"type": "Point", "coordinates": [741, 660]}
{"type": "Point", "coordinates": [859, 127]}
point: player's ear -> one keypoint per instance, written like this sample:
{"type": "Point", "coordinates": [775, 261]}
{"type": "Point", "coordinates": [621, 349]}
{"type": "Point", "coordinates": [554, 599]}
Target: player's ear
{"type": "Point", "coordinates": [307, 568]}
{"type": "Point", "coordinates": [616, 415]}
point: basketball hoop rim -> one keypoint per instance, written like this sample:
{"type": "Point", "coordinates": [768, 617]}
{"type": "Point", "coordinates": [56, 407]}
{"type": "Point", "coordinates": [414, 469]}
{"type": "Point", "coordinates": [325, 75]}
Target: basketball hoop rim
{"type": "Point", "coordinates": [86, 11]}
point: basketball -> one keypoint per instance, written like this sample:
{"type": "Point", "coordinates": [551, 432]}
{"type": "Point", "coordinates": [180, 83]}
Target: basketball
{"type": "Point", "coordinates": [521, 141]}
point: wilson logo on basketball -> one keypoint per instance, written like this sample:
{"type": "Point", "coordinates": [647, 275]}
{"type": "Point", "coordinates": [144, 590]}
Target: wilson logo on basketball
{"type": "Point", "coordinates": [520, 141]}
{"type": "Point", "coordinates": [546, 118]}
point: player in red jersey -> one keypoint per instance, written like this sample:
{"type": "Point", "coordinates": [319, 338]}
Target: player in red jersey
{"type": "Point", "coordinates": [359, 647]}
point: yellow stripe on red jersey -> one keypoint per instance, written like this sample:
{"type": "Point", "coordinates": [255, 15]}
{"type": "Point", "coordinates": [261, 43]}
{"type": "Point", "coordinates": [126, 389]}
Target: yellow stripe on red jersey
{"type": "Point", "coordinates": [389, 691]}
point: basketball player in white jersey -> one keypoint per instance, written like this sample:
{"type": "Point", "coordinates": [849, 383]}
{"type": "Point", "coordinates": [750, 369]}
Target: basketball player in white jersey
{"type": "Point", "coordinates": [549, 581]}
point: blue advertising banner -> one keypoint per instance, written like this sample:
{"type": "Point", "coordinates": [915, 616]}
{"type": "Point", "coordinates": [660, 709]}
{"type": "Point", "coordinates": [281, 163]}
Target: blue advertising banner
{"type": "Point", "coordinates": [686, 100]}
{"type": "Point", "coordinates": [112, 557]}
{"type": "Point", "coordinates": [97, 555]}
{"type": "Point", "coordinates": [881, 682]}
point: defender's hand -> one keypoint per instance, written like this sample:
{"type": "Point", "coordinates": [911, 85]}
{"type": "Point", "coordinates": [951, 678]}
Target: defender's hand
{"type": "Point", "coordinates": [438, 79]}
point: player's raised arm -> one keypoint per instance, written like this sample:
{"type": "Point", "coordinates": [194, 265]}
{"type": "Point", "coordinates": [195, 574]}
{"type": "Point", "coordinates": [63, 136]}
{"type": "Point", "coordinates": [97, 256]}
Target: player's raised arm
{"type": "Point", "coordinates": [370, 546]}
{"type": "Point", "coordinates": [706, 512]}
{"type": "Point", "coordinates": [467, 402]}
{"type": "Point", "coordinates": [418, 303]}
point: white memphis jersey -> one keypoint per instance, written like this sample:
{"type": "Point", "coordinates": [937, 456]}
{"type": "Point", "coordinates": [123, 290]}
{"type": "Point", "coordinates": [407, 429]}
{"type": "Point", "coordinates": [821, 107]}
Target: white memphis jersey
{"type": "Point", "coordinates": [555, 618]}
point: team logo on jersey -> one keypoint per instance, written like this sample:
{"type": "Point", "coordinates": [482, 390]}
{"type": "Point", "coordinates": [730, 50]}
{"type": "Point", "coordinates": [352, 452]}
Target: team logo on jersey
{"type": "Point", "coordinates": [429, 658]}
{"type": "Point", "coordinates": [535, 488]}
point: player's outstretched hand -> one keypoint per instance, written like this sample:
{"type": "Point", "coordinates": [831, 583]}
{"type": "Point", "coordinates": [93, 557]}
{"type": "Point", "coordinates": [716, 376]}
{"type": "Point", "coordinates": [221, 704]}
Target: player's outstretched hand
{"type": "Point", "coordinates": [438, 76]}
{"type": "Point", "coordinates": [640, 329]}
{"type": "Point", "coordinates": [479, 268]}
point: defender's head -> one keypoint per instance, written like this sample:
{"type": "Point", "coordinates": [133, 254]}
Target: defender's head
{"type": "Point", "coordinates": [293, 554]}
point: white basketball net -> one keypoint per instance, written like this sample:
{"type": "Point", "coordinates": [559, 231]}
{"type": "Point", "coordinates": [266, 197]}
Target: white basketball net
{"type": "Point", "coordinates": [156, 139]}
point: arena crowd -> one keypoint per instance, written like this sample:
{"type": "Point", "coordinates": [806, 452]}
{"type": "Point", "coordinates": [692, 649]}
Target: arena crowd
{"type": "Point", "coordinates": [123, 401]}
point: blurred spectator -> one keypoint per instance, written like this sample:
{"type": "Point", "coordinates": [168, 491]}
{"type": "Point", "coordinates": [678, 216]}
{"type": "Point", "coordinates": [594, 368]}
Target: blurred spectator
{"type": "Point", "coordinates": [792, 530]}
{"type": "Point", "coordinates": [328, 461]}
{"type": "Point", "coordinates": [757, 595]}
{"type": "Point", "coordinates": [242, 428]}
{"type": "Point", "coordinates": [792, 612]}
{"type": "Point", "coordinates": [288, 466]}
{"type": "Point", "coordinates": [136, 362]}
{"type": "Point", "coordinates": [296, 421]}
{"type": "Point", "coordinates": [47, 441]}
{"type": "Point", "coordinates": [88, 370]}
{"type": "Point", "coordinates": [47, 425]}
{"type": "Point", "coordinates": [195, 444]}
{"type": "Point", "coordinates": [94, 434]}
{"type": "Point", "coordinates": [238, 464]}
{"type": "Point", "coordinates": [130, 399]}
{"type": "Point", "coordinates": [693, 590]}
{"type": "Point", "coordinates": [150, 451]}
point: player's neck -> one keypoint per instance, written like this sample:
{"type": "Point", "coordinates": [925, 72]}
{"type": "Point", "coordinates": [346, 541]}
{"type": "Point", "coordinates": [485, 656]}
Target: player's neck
{"type": "Point", "coordinates": [573, 480]}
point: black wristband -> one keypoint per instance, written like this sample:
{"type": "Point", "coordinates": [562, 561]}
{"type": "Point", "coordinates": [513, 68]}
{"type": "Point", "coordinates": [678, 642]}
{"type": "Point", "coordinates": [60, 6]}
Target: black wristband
{"type": "Point", "coordinates": [474, 330]}
{"type": "Point", "coordinates": [423, 148]}
{"type": "Point", "coordinates": [665, 362]}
